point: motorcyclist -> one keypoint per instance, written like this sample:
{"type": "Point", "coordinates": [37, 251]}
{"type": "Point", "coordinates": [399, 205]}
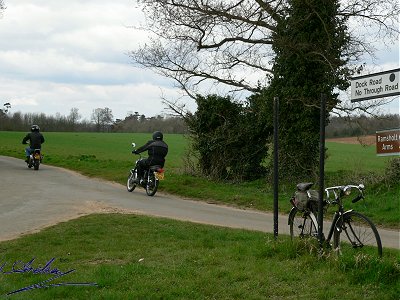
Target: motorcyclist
{"type": "Point", "coordinates": [157, 149]}
{"type": "Point", "coordinates": [35, 139]}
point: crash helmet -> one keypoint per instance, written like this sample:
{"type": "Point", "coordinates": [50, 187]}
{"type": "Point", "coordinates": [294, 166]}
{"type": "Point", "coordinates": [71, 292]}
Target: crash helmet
{"type": "Point", "coordinates": [35, 128]}
{"type": "Point", "coordinates": [157, 135]}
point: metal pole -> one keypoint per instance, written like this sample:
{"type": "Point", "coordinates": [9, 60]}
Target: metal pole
{"type": "Point", "coordinates": [276, 175]}
{"type": "Point", "coordinates": [321, 170]}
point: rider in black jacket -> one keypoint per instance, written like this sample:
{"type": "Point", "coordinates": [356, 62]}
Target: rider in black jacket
{"type": "Point", "coordinates": [35, 139]}
{"type": "Point", "coordinates": [157, 149]}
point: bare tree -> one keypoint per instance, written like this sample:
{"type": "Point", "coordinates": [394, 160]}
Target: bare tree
{"type": "Point", "coordinates": [293, 49]}
{"type": "Point", "coordinates": [2, 7]}
{"type": "Point", "coordinates": [96, 118]}
{"type": "Point", "coordinates": [74, 117]}
{"type": "Point", "coordinates": [228, 44]}
{"type": "Point", "coordinates": [102, 118]}
{"type": "Point", "coordinates": [7, 107]}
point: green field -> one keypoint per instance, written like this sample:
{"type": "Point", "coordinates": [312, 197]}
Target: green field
{"type": "Point", "coordinates": [109, 156]}
{"type": "Point", "coordinates": [139, 257]}
{"type": "Point", "coordinates": [354, 158]}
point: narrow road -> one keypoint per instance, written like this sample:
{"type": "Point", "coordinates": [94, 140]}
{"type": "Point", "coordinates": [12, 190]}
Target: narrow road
{"type": "Point", "coordinates": [32, 200]}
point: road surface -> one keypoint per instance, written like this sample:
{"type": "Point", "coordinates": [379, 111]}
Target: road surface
{"type": "Point", "coordinates": [32, 200]}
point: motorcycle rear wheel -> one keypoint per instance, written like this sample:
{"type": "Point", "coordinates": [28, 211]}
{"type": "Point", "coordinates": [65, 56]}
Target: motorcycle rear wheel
{"type": "Point", "coordinates": [152, 184]}
{"type": "Point", "coordinates": [131, 182]}
{"type": "Point", "coordinates": [36, 164]}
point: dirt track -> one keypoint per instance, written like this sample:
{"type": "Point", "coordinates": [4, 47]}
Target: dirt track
{"type": "Point", "coordinates": [364, 140]}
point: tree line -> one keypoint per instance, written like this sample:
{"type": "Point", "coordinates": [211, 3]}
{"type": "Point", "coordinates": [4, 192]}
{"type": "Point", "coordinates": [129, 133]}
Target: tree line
{"type": "Point", "coordinates": [102, 120]}
{"type": "Point", "coordinates": [360, 125]}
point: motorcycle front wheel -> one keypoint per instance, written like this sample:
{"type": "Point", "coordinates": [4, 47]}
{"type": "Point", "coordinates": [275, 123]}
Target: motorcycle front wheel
{"type": "Point", "coordinates": [131, 182]}
{"type": "Point", "coordinates": [152, 184]}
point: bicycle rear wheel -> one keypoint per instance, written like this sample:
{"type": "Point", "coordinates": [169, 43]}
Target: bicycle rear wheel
{"type": "Point", "coordinates": [358, 233]}
{"type": "Point", "coordinates": [302, 224]}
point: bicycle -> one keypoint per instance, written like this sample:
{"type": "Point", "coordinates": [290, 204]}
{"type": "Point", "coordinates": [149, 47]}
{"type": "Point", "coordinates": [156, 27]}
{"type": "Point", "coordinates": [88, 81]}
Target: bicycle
{"type": "Point", "coordinates": [357, 228]}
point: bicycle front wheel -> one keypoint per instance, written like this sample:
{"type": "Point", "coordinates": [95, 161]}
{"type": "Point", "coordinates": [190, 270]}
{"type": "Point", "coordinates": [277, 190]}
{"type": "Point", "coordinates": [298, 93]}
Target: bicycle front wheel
{"type": "Point", "coordinates": [302, 224]}
{"type": "Point", "coordinates": [355, 232]}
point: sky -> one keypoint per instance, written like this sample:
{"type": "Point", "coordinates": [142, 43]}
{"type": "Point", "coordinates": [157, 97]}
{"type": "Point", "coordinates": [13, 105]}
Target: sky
{"type": "Point", "coordinates": [57, 55]}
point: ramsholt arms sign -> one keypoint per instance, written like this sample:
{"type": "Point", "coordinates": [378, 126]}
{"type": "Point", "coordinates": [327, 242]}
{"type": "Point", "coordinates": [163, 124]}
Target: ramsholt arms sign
{"type": "Point", "coordinates": [388, 142]}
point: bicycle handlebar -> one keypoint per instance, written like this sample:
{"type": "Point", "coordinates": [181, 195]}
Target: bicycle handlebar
{"type": "Point", "coordinates": [358, 198]}
{"type": "Point", "coordinates": [342, 190]}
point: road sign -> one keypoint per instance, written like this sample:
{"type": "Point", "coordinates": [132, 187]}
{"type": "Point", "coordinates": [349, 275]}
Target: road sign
{"type": "Point", "coordinates": [377, 85]}
{"type": "Point", "coordinates": [388, 142]}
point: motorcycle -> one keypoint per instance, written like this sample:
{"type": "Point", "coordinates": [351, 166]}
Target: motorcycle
{"type": "Point", "coordinates": [35, 158]}
{"type": "Point", "coordinates": [150, 180]}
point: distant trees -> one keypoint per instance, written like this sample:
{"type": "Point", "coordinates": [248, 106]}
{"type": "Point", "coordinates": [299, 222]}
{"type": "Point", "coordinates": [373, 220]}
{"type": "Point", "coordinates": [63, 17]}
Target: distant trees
{"type": "Point", "coordinates": [74, 117]}
{"type": "Point", "coordinates": [136, 122]}
{"type": "Point", "coordinates": [139, 123]}
{"type": "Point", "coordinates": [21, 122]}
{"type": "Point", "coordinates": [103, 122]}
{"type": "Point", "coordinates": [360, 125]}
{"type": "Point", "coordinates": [102, 118]}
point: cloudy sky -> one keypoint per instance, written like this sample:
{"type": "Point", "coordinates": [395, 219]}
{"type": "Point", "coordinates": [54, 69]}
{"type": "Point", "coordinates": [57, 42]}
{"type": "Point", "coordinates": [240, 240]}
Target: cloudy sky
{"type": "Point", "coordinates": [56, 55]}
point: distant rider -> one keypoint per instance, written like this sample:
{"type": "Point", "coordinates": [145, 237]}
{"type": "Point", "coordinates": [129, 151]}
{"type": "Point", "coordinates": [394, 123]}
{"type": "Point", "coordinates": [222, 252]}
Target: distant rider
{"type": "Point", "coordinates": [157, 149]}
{"type": "Point", "coordinates": [35, 139]}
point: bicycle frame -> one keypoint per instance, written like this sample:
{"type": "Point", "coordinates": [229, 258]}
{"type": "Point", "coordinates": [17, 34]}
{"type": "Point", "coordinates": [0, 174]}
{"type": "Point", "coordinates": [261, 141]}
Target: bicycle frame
{"type": "Point", "coordinates": [338, 192]}
{"type": "Point", "coordinates": [358, 230]}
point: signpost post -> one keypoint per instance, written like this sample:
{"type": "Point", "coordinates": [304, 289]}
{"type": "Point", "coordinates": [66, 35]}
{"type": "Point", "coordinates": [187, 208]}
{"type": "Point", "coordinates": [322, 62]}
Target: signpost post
{"type": "Point", "coordinates": [276, 161]}
{"type": "Point", "coordinates": [321, 171]}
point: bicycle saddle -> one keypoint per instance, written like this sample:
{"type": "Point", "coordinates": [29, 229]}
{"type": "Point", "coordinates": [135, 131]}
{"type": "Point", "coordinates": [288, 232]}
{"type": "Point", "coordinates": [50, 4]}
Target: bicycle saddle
{"type": "Point", "coordinates": [304, 186]}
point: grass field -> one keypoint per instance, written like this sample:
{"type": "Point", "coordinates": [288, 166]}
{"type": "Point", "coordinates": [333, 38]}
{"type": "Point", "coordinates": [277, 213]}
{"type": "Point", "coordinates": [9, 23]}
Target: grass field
{"type": "Point", "coordinates": [138, 257]}
{"type": "Point", "coordinates": [354, 157]}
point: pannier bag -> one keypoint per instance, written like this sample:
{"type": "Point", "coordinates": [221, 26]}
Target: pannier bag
{"type": "Point", "coordinates": [302, 200]}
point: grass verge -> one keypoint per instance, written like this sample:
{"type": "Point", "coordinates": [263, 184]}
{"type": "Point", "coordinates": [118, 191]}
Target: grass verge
{"type": "Point", "coordinates": [138, 257]}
